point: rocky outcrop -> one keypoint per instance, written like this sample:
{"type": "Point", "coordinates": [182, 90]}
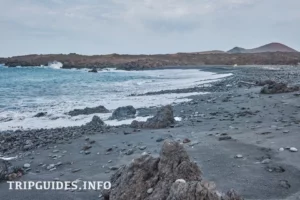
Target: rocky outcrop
{"type": "Point", "coordinates": [88, 111]}
{"type": "Point", "coordinates": [163, 118]}
{"type": "Point", "coordinates": [40, 114]}
{"type": "Point", "coordinates": [139, 62]}
{"type": "Point", "coordinates": [266, 82]}
{"type": "Point", "coordinates": [94, 70]}
{"type": "Point", "coordinates": [172, 176]}
{"type": "Point", "coordinates": [275, 88]}
{"type": "Point", "coordinates": [122, 113]}
{"type": "Point", "coordinates": [96, 122]}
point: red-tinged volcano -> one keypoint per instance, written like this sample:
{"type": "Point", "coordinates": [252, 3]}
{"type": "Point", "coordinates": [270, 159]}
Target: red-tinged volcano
{"type": "Point", "coordinates": [272, 47]}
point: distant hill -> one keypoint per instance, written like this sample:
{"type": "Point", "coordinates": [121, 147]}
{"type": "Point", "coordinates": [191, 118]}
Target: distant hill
{"type": "Point", "coordinates": [272, 47]}
{"type": "Point", "coordinates": [237, 50]}
{"type": "Point", "coordinates": [211, 52]}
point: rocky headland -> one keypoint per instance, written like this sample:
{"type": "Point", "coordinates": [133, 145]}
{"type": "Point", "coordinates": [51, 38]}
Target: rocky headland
{"type": "Point", "coordinates": [140, 62]}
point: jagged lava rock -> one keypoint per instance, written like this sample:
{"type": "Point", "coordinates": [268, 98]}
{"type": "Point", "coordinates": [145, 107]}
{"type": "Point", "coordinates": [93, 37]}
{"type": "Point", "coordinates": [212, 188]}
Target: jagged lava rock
{"type": "Point", "coordinates": [275, 88]}
{"type": "Point", "coordinates": [96, 122]}
{"type": "Point", "coordinates": [123, 113]}
{"type": "Point", "coordinates": [88, 111]}
{"type": "Point", "coordinates": [172, 176]}
{"type": "Point", "coordinates": [163, 118]}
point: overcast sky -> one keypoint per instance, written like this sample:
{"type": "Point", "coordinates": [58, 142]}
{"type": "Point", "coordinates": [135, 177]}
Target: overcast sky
{"type": "Point", "coordinates": [144, 26]}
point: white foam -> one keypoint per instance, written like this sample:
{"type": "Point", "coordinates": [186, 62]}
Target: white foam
{"type": "Point", "coordinates": [55, 65]}
{"type": "Point", "coordinates": [111, 95]}
{"type": "Point", "coordinates": [127, 121]}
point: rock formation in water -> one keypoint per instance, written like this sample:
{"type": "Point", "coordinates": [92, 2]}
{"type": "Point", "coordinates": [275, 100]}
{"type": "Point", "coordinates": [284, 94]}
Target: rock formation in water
{"type": "Point", "coordinates": [122, 113]}
{"type": "Point", "coordinates": [88, 111]}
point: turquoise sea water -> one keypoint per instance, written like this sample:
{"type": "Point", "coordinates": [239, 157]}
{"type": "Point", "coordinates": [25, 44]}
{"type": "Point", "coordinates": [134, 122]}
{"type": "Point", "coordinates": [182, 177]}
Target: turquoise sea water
{"type": "Point", "coordinates": [22, 86]}
{"type": "Point", "coordinates": [25, 91]}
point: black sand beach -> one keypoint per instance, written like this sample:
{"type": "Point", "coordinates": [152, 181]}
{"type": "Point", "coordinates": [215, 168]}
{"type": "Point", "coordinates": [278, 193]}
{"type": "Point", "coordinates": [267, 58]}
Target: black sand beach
{"type": "Point", "coordinates": [235, 132]}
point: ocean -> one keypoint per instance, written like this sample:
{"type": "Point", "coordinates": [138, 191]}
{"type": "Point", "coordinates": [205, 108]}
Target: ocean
{"type": "Point", "coordinates": [26, 91]}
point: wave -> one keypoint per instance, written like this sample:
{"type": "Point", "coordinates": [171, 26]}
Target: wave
{"type": "Point", "coordinates": [55, 65]}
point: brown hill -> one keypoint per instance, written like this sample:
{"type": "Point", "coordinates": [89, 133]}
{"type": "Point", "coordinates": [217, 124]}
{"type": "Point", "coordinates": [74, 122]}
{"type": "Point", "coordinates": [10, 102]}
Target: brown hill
{"type": "Point", "coordinates": [272, 47]}
{"type": "Point", "coordinates": [135, 62]}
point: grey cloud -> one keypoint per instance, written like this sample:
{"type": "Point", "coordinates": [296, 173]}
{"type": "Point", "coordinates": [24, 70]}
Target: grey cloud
{"type": "Point", "coordinates": [145, 26]}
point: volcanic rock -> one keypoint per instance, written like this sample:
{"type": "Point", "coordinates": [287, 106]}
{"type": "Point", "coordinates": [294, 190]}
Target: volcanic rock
{"type": "Point", "coordinates": [275, 88]}
{"type": "Point", "coordinates": [162, 175]}
{"type": "Point", "coordinates": [96, 122]}
{"type": "Point", "coordinates": [88, 111]}
{"type": "Point", "coordinates": [122, 113]}
{"type": "Point", "coordinates": [163, 118]}
{"type": "Point", "coordinates": [94, 70]}
{"type": "Point", "coordinates": [40, 114]}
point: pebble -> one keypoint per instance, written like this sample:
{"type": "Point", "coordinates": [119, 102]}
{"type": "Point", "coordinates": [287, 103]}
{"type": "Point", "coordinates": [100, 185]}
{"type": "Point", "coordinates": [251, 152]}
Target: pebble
{"type": "Point", "coordinates": [293, 149]}
{"type": "Point", "coordinates": [26, 165]}
{"type": "Point", "coordinates": [50, 166]}
{"type": "Point", "coordinates": [92, 142]}
{"type": "Point", "coordinates": [52, 169]}
{"type": "Point", "coordinates": [150, 190]}
{"type": "Point", "coordinates": [159, 139]}
{"type": "Point", "coordinates": [126, 133]}
{"type": "Point", "coordinates": [180, 181]}
{"type": "Point", "coordinates": [286, 131]}
{"type": "Point", "coordinates": [75, 170]}
{"type": "Point", "coordinates": [142, 147]}
{"type": "Point", "coordinates": [281, 149]}
{"type": "Point", "coordinates": [86, 147]}
{"type": "Point", "coordinates": [186, 140]}
{"type": "Point", "coordinates": [266, 161]}
{"type": "Point", "coordinates": [113, 168]}
{"type": "Point", "coordinates": [239, 156]}
{"type": "Point", "coordinates": [285, 184]}
{"type": "Point", "coordinates": [225, 138]}
{"type": "Point", "coordinates": [129, 152]}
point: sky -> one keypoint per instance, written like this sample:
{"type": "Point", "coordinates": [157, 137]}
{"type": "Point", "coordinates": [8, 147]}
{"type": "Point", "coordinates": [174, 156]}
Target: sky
{"type": "Point", "coordinates": [144, 26]}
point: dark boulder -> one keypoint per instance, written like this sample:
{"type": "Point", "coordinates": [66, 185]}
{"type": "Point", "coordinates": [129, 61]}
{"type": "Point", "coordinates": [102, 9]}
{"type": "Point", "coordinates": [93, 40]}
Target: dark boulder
{"type": "Point", "coordinates": [94, 70]}
{"type": "Point", "coordinates": [172, 176]}
{"type": "Point", "coordinates": [122, 113]}
{"type": "Point", "coordinates": [275, 88]}
{"type": "Point", "coordinates": [266, 82]}
{"type": "Point", "coordinates": [96, 122]}
{"type": "Point", "coordinates": [163, 118]}
{"type": "Point", "coordinates": [88, 111]}
{"type": "Point", "coordinates": [3, 170]}
{"type": "Point", "coordinates": [8, 172]}
{"type": "Point", "coordinates": [40, 114]}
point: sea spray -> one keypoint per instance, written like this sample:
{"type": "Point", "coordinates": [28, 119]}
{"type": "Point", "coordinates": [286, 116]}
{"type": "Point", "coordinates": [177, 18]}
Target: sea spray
{"type": "Point", "coordinates": [55, 65]}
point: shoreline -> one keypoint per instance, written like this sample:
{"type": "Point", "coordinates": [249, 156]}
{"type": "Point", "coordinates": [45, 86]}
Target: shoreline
{"type": "Point", "coordinates": [258, 124]}
{"type": "Point", "coordinates": [140, 62]}
{"type": "Point", "coordinates": [55, 116]}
